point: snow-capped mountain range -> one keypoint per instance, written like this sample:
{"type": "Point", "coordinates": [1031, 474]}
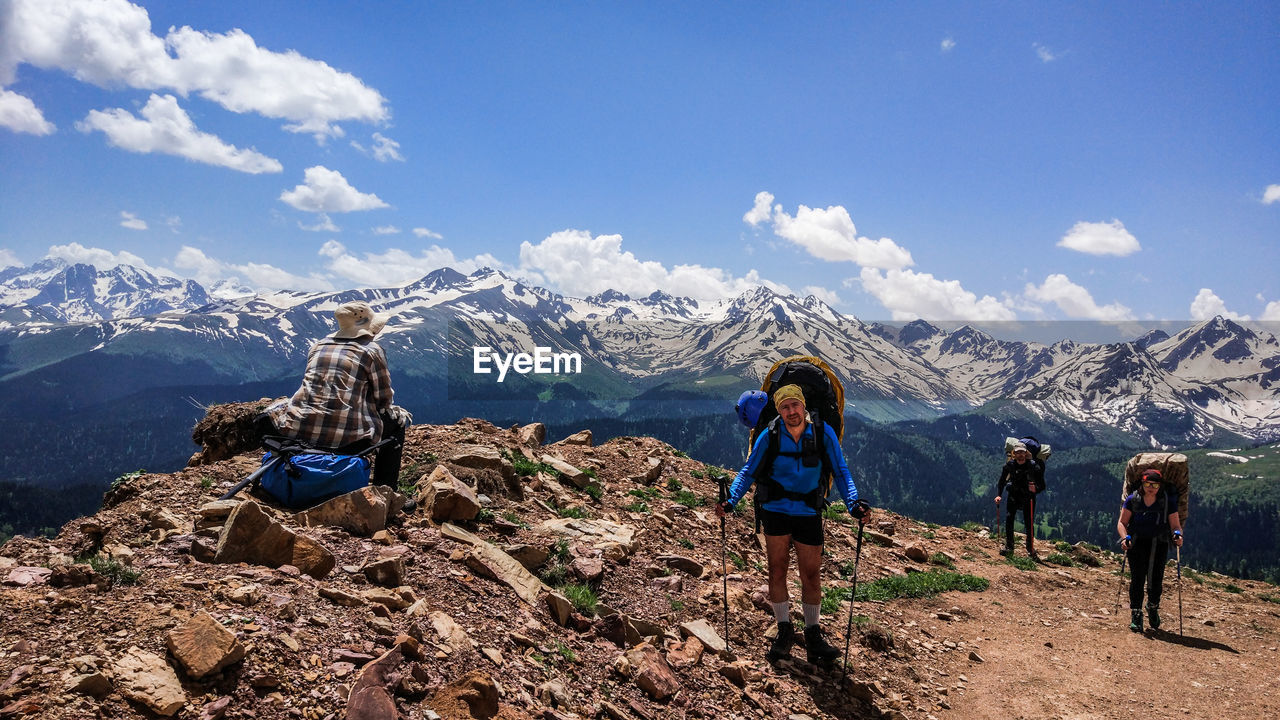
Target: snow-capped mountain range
{"type": "Point", "coordinates": [1214, 377]}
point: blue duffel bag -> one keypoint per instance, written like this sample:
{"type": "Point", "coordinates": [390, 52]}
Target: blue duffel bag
{"type": "Point", "coordinates": [303, 480]}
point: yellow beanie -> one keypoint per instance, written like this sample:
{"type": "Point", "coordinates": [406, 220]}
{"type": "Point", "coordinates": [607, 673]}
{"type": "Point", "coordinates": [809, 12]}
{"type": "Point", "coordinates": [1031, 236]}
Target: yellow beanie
{"type": "Point", "coordinates": [787, 392]}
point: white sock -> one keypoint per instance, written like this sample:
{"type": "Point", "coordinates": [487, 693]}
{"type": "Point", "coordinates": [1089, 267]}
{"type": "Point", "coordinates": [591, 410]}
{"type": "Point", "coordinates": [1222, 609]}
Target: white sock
{"type": "Point", "coordinates": [811, 614]}
{"type": "Point", "coordinates": [782, 611]}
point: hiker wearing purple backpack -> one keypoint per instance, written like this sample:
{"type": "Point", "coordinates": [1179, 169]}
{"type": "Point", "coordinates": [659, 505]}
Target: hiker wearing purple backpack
{"type": "Point", "coordinates": [1024, 478]}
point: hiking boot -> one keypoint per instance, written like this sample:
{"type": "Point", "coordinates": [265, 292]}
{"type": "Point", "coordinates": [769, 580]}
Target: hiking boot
{"type": "Point", "coordinates": [1136, 623]}
{"type": "Point", "coordinates": [1153, 616]}
{"type": "Point", "coordinates": [781, 647]}
{"type": "Point", "coordinates": [816, 647]}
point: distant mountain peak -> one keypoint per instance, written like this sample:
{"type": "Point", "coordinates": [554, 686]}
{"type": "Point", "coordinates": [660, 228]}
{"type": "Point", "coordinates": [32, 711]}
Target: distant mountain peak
{"type": "Point", "coordinates": [916, 331]}
{"type": "Point", "coordinates": [608, 296]}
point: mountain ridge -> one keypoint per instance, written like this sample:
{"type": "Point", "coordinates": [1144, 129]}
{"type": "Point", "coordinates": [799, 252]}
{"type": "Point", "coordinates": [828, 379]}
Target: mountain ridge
{"type": "Point", "coordinates": [1219, 376]}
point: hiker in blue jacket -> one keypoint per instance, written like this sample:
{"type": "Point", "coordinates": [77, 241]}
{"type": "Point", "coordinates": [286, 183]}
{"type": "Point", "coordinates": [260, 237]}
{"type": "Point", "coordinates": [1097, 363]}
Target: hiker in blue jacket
{"type": "Point", "coordinates": [1149, 520]}
{"type": "Point", "coordinates": [790, 514]}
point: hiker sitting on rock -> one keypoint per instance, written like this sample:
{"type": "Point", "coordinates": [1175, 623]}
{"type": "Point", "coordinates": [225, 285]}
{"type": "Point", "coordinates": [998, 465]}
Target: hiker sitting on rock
{"type": "Point", "coordinates": [344, 403]}
{"type": "Point", "coordinates": [1024, 478]}
{"type": "Point", "coordinates": [1148, 519]}
{"type": "Point", "coordinates": [788, 515]}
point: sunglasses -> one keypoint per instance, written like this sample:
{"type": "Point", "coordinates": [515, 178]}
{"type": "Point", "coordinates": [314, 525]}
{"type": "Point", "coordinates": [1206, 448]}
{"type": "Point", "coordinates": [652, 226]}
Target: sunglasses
{"type": "Point", "coordinates": [1152, 483]}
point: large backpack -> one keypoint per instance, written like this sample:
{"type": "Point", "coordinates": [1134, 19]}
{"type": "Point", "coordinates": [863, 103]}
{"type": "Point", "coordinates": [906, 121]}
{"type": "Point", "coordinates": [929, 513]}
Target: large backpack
{"type": "Point", "coordinates": [824, 400]}
{"type": "Point", "coordinates": [1039, 451]}
{"type": "Point", "coordinates": [300, 477]}
{"type": "Point", "coordinates": [1173, 471]}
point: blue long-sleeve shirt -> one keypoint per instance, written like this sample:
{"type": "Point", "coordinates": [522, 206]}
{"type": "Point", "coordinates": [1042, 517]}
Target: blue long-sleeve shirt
{"type": "Point", "coordinates": [791, 473]}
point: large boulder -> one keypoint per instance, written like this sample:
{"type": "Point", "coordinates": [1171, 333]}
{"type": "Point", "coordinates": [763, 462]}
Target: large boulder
{"type": "Point", "coordinates": [445, 498]}
{"type": "Point", "coordinates": [147, 679]}
{"type": "Point", "coordinates": [251, 536]}
{"type": "Point", "coordinates": [203, 646]}
{"type": "Point", "coordinates": [651, 672]}
{"type": "Point", "coordinates": [498, 564]}
{"type": "Point", "coordinates": [603, 535]}
{"type": "Point", "coordinates": [360, 512]}
{"type": "Point", "coordinates": [474, 695]}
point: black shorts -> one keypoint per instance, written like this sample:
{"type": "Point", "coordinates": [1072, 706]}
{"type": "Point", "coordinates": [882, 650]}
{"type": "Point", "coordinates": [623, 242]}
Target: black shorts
{"type": "Point", "coordinates": [804, 529]}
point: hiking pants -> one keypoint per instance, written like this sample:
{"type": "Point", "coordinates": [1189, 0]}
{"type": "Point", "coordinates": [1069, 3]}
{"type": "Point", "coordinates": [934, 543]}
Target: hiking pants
{"type": "Point", "coordinates": [1025, 504]}
{"type": "Point", "coordinates": [1147, 558]}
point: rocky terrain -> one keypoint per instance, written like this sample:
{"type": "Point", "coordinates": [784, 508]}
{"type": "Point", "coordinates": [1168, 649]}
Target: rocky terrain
{"type": "Point", "coordinates": [575, 580]}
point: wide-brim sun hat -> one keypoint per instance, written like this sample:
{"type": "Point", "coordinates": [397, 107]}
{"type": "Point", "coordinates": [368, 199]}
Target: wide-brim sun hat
{"type": "Point", "coordinates": [357, 320]}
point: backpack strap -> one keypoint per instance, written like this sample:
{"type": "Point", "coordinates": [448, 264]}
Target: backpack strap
{"type": "Point", "coordinates": [768, 488]}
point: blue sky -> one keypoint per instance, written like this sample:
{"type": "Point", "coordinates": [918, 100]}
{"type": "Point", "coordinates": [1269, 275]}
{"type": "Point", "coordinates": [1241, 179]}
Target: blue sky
{"type": "Point", "coordinates": [985, 161]}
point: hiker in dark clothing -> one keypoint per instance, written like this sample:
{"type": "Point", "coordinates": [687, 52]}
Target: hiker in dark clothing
{"type": "Point", "coordinates": [1024, 478]}
{"type": "Point", "coordinates": [344, 403]}
{"type": "Point", "coordinates": [789, 518]}
{"type": "Point", "coordinates": [1148, 522]}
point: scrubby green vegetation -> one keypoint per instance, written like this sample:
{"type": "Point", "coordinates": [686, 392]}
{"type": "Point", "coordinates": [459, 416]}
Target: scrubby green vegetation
{"type": "Point", "coordinates": [913, 585]}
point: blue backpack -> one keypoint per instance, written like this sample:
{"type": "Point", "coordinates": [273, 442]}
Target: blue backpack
{"type": "Point", "coordinates": [301, 477]}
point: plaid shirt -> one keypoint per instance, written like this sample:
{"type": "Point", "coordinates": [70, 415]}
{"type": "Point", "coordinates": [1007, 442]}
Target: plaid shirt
{"type": "Point", "coordinates": [345, 387]}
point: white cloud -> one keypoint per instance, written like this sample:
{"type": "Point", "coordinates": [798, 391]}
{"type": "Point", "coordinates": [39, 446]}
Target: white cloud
{"type": "Point", "coordinates": [1044, 53]}
{"type": "Point", "coordinates": [19, 114]}
{"type": "Point", "coordinates": [174, 223]}
{"type": "Point", "coordinates": [386, 230]}
{"type": "Point", "coordinates": [1075, 300]}
{"type": "Point", "coordinates": [424, 232]}
{"type": "Point", "coordinates": [909, 295]}
{"type": "Point", "coordinates": [8, 259]}
{"type": "Point", "coordinates": [1100, 238]}
{"type": "Point", "coordinates": [829, 235]}
{"type": "Point", "coordinates": [948, 44]}
{"type": "Point", "coordinates": [1206, 304]}
{"type": "Point", "coordinates": [207, 271]}
{"type": "Point", "coordinates": [100, 258]}
{"type": "Point", "coordinates": [384, 148]}
{"type": "Point", "coordinates": [326, 190]}
{"type": "Point", "coordinates": [574, 263]}
{"type": "Point", "coordinates": [1271, 194]}
{"type": "Point", "coordinates": [398, 267]}
{"type": "Point", "coordinates": [1272, 312]}
{"type": "Point", "coordinates": [131, 221]}
{"type": "Point", "coordinates": [110, 43]}
{"type": "Point", "coordinates": [323, 224]}
{"type": "Point", "coordinates": [166, 128]}
{"type": "Point", "coordinates": [827, 296]}
{"type": "Point", "coordinates": [762, 209]}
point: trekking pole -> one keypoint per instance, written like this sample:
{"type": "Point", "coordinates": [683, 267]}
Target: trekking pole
{"type": "Point", "coordinates": [997, 528]}
{"type": "Point", "coordinates": [1031, 523]}
{"type": "Point", "coordinates": [252, 477]}
{"type": "Point", "coordinates": [1151, 569]}
{"type": "Point", "coordinates": [857, 557]}
{"type": "Point", "coordinates": [1123, 558]}
{"type": "Point", "coordinates": [1179, 547]}
{"type": "Point", "coordinates": [724, 551]}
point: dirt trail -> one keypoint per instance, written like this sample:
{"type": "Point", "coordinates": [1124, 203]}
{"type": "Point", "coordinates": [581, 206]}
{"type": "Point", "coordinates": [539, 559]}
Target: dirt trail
{"type": "Point", "coordinates": [1052, 648]}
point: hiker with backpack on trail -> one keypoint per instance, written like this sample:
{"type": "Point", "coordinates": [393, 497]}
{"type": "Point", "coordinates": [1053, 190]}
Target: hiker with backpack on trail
{"type": "Point", "coordinates": [787, 465]}
{"type": "Point", "coordinates": [1149, 522]}
{"type": "Point", "coordinates": [344, 402]}
{"type": "Point", "coordinates": [1024, 478]}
